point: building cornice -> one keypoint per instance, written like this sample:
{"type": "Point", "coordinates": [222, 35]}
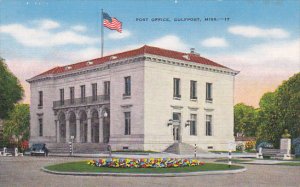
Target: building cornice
{"type": "Point", "coordinates": [190, 64]}
{"type": "Point", "coordinates": [145, 57]}
{"type": "Point", "coordinates": [94, 68]}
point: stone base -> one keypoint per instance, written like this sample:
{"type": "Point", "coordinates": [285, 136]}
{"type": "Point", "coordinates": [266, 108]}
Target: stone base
{"type": "Point", "coordinates": [285, 144]}
{"type": "Point", "coordinates": [259, 156]}
{"type": "Point", "coordinates": [287, 157]}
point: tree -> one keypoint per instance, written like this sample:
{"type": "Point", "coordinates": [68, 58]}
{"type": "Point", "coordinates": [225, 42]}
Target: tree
{"type": "Point", "coordinates": [288, 103]}
{"type": "Point", "coordinates": [16, 126]}
{"type": "Point", "coordinates": [11, 90]}
{"type": "Point", "coordinates": [245, 119]}
{"type": "Point", "coordinates": [280, 110]}
{"type": "Point", "coordinates": [268, 129]}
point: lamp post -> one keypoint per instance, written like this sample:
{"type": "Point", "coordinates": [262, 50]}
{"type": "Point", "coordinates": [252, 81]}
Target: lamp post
{"type": "Point", "coordinates": [229, 158]}
{"type": "Point", "coordinates": [230, 148]}
{"type": "Point", "coordinates": [71, 146]}
{"type": "Point", "coordinates": [170, 122]}
{"type": "Point", "coordinates": [105, 114]}
{"type": "Point", "coordinates": [188, 122]}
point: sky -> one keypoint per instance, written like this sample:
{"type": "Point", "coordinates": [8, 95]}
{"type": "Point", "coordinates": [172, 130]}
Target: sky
{"type": "Point", "coordinates": [261, 39]}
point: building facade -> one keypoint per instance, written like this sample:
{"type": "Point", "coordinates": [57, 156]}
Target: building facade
{"type": "Point", "coordinates": [143, 99]}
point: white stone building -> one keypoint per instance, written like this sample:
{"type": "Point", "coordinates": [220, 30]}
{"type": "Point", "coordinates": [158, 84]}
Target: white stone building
{"type": "Point", "coordinates": [143, 99]}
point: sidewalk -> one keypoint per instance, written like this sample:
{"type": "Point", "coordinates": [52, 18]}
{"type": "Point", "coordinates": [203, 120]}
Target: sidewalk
{"type": "Point", "coordinates": [160, 155]}
{"type": "Point", "coordinates": [268, 162]}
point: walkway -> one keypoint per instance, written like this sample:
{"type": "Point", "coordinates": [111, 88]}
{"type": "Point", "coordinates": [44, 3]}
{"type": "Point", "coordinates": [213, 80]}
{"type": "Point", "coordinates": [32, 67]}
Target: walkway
{"type": "Point", "coordinates": [162, 155]}
{"type": "Point", "coordinates": [31, 175]}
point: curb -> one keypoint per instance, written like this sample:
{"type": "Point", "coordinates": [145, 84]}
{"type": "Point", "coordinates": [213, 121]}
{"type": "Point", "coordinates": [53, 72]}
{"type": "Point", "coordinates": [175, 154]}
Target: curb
{"type": "Point", "coordinates": [147, 174]}
{"type": "Point", "coordinates": [219, 156]}
{"type": "Point", "coordinates": [255, 163]}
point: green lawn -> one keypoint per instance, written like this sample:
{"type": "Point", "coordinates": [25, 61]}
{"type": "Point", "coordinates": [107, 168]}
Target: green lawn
{"type": "Point", "coordinates": [234, 160]}
{"type": "Point", "coordinates": [225, 151]}
{"type": "Point", "coordinates": [134, 151]}
{"type": "Point", "coordinates": [294, 159]}
{"type": "Point", "coordinates": [84, 167]}
{"type": "Point", "coordinates": [290, 164]}
{"type": "Point", "coordinates": [250, 151]}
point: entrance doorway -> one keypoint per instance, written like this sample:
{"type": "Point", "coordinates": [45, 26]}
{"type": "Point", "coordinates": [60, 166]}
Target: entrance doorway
{"type": "Point", "coordinates": [176, 127]}
{"type": "Point", "coordinates": [176, 133]}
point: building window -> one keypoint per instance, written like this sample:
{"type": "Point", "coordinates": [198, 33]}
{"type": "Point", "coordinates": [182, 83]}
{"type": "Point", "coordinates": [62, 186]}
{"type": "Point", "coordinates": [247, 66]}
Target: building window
{"type": "Point", "coordinates": [193, 124]}
{"type": "Point", "coordinates": [62, 96]}
{"type": "Point", "coordinates": [40, 99]}
{"type": "Point", "coordinates": [176, 117]}
{"type": "Point", "coordinates": [127, 86]}
{"type": "Point", "coordinates": [208, 125]}
{"type": "Point", "coordinates": [176, 88]}
{"type": "Point", "coordinates": [127, 123]}
{"type": "Point", "coordinates": [94, 92]}
{"type": "Point", "coordinates": [40, 127]}
{"type": "Point", "coordinates": [193, 90]}
{"type": "Point", "coordinates": [72, 95]}
{"type": "Point", "coordinates": [107, 88]}
{"type": "Point", "coordinates": [209, 92]}
{"type": "Point", "coordinates": [82, 91]}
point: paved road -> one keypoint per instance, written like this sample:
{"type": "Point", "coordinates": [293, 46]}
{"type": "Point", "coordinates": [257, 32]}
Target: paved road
{"type": "Point", "coordinates": [25, 171]}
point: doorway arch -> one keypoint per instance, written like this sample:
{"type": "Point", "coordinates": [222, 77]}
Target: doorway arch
{"type": "Point", "coordinates": [95, 126]}
{"type": "Point", "coordinates": [72, 123]}
{"type": "Point", "coordinates": [62, 127]}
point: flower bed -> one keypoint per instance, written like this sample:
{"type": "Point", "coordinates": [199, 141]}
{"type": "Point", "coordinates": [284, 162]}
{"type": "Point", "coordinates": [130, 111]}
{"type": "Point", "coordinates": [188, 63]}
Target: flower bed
{"type": "Point", "coordinates": [145, 162]}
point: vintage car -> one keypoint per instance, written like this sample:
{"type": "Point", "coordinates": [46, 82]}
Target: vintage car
{"type": "Point", "coordinates": [38, 149]}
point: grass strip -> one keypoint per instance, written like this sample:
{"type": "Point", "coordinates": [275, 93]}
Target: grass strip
{"type": "Point", "coordinates": [234, 160]}
{"type": "Point", "coordinates": [289, 164]}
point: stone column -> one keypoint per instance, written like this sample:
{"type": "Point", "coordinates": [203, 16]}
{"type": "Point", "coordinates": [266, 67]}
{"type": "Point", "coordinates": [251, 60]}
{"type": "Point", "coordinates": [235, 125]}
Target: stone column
{"type": "Point", "coordinates": [57, 131]}
{"type": "Point", "coordinates": [77, 131]}
{"type": "Point", "coordinates": [101, 130]}
{"type": "Point", "coordinates": [89, 130]}
{"type": "Point", "coordinates": [67, 130]}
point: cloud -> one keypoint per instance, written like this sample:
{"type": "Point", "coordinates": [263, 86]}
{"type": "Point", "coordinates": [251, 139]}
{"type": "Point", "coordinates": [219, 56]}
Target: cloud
{"type": "Point", "coordinates": [270, 55]}
{"type": "Point", "coordinates": [79, 28]}
{"type": "Point", "coordinates": [39, 37]}
{"type": "Point", "coordinates": [256, 32]}
{"type": "Point", "coordinates": [117, 35]}
{"type": "Point", "coordinates": [214, 42]}
{"type": "Point", "coordinates": [172, 42]}
{"type": "Point", "coordinates": [82, 54]}
{"type": "Point", "coordinates": [262, 68]}
{"type": "Point", "coordinates": [48, 24]}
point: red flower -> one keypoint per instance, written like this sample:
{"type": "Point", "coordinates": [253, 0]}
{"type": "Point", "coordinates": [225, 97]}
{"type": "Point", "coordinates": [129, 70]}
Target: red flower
{"type": "Point", "coordinates": [24, 145]}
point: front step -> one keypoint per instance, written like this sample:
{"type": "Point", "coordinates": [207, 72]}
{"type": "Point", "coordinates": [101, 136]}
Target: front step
{"type": "Point", "coordinates": [58, 147]}
{"type": "Point", "coordinates": [91, 148]}
{"type": "Point", "coordinates": [84, 148]}
{"type": "Point", "coordinates": [183, 149]}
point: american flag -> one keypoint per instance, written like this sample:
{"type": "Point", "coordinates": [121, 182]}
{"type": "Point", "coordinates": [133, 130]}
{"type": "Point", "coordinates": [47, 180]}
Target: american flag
{"type": "Point", "coordinates": [111, 23]}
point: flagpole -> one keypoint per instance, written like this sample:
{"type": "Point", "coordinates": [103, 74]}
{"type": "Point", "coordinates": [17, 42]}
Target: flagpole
{"type": "Point", "coordinates": [102, 33]}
